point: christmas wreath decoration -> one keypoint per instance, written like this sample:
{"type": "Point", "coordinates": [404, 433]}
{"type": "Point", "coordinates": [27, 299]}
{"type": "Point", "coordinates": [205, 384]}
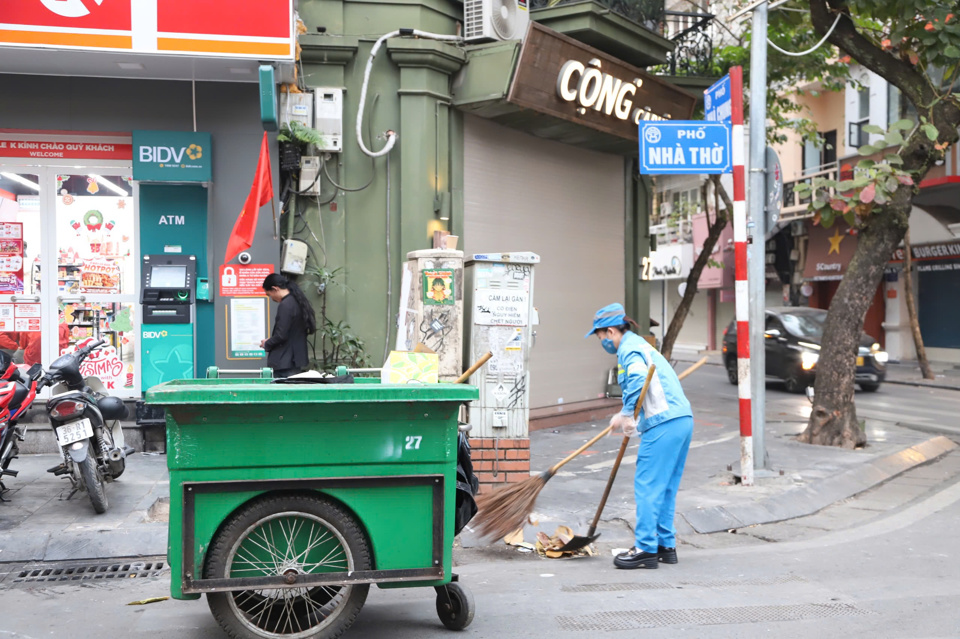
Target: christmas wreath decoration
{"type": "Point", "coordinates": [93, 219]}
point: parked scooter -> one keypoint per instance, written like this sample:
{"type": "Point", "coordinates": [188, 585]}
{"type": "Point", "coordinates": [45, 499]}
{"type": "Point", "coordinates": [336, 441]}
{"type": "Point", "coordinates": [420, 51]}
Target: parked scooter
{"type": "Point", "coordinates": [17, 392]}
{"type": "Point", "coordinates": [87, 424]}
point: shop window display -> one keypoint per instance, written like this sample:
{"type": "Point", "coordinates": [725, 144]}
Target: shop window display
{"type": "Point", "coordinates": [20, 316]}
{"type": "Point", "coordinates": [95, 260]}
{"type": "Point", "coordinates": [94, 235]}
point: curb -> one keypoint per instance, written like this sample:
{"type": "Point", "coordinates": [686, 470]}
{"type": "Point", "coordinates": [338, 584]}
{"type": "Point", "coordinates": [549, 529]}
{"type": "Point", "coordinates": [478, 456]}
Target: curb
{"type": "Point", "coordinates": [147, 540]}
{"type": "Point", "coordinates": [807, 500]}
{"type": "Point", "coordinates": [920, 384]}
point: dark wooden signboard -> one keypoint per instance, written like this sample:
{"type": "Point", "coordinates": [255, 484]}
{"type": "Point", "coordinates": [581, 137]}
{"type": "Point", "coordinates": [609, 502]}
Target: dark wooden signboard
{"type": "Point", "coordinates": [536, 86]}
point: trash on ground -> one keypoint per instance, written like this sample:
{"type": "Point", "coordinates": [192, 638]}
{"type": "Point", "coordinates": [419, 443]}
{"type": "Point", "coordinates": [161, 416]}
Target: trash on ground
{"type": "Point", "coordinates": [147, 601]}
{"type": "Point", "coordinates": [516, 539]}
{"type": "Point", "coordinates": [548, 546]}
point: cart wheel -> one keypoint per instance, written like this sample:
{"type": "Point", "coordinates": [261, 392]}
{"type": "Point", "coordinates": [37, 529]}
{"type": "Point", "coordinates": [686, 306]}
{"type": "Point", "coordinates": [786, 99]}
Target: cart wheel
{"type": "Point", "coordinates": [282, 535]}
{"type": "Point", "coordinates": [454, 606]}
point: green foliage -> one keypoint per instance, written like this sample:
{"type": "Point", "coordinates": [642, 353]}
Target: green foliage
{"type": "Point", "coordinates": [930, 39]}
{"type": "Point", "coordinates": [301, 134]}
{"type": "Point", "coordinates": [337, 342]}
{"type": "Point", "coordinates": [873, 185]}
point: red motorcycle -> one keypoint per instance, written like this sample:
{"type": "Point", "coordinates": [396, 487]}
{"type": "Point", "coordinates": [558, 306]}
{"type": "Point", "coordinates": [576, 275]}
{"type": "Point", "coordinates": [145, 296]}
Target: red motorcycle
{"type": "Point", "coordinates": [17, 392]}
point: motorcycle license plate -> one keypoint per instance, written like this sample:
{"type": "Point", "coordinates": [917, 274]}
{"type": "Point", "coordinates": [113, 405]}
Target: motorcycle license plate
{"type": "Point", "coordinates": [859, 361]}
{"type": "Point", "coordinates": [74, 431]}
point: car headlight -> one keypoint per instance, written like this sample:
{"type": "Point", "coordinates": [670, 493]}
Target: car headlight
{"type": "Point", "coordinates": [881, 356]}
{"type": "Point", "coordinates": [808, 360]}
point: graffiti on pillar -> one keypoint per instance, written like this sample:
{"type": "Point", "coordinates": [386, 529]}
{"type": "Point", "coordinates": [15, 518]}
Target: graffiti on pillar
{"type": "Point", "coordinates": [436, 325]}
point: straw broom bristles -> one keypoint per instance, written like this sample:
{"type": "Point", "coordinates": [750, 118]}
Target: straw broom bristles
{"type": "Point", "coordinates": [506, 509]}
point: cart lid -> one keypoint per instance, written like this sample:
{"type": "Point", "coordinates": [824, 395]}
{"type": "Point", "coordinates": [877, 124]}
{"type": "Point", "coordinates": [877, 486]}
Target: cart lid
{"type": "Point", "coordinates": [229, 391]}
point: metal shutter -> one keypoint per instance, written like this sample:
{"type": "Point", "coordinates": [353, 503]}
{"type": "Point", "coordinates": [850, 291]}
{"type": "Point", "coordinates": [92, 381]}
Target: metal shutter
{"type": "Point", "coordinates": [522, 193]}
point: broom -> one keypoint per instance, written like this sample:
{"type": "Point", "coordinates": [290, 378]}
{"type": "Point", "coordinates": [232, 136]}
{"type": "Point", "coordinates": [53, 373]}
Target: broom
{"type": "Point", "coordinates": [506, 509]}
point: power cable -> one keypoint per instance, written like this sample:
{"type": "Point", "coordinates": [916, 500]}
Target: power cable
{"type": "Point", "coordinates": [811, 50]}
{"type": "Point", "coordinates": [391, 135]}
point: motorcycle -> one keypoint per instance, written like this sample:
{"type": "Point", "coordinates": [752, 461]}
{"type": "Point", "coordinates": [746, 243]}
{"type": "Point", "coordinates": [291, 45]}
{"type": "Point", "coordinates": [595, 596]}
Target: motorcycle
{"type": "Point", "coordinates": [86, 422]}
{"type": "Point", "coordinates": [17, 392]}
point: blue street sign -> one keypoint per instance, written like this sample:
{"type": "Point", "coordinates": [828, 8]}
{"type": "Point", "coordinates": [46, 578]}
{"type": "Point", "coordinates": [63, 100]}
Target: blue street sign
{"type": "Point", "coordinates": [684, 146]}
{"type": "Point", "coordinates": [716, 101]}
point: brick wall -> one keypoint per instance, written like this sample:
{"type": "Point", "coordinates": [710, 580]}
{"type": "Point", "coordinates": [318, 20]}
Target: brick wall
{"type": "Point", "coordinates": [509, 457]}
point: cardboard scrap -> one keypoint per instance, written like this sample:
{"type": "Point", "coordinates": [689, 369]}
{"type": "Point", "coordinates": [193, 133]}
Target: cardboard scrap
{"type": "Point", "coordinates": [516, 539]}
{"type": "Point", "coordinates": [548, 546]}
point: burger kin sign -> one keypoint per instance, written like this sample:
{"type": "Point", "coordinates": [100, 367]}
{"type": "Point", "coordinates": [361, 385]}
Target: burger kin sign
{"type": "Point", "coordinates": [263, 30]}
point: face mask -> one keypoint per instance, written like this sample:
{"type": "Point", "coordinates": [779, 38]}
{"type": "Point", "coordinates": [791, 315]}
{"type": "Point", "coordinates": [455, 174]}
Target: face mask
{"type": "Point", "coordinates": [608, 346]}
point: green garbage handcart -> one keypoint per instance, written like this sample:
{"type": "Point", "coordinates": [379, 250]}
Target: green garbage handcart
{"type": "Point", "coordinates": [287, 501]}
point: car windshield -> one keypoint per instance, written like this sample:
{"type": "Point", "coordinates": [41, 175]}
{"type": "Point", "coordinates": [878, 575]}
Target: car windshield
{"type": "Point", "coordinates": [805, 324]}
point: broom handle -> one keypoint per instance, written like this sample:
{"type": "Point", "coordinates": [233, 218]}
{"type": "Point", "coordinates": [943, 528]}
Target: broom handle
{"type": "Point", "coordinates": [692, 368]}
{"type": "Point", "coordinates": [553, 469]}
{"type": "Point", "coordinates": [473, 369]}
{"type": "Point", "coordinates": [623, 449]}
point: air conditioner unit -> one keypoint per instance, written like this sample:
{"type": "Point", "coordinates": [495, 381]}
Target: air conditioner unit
{"type": "Point", "coordinates": [495, 20]}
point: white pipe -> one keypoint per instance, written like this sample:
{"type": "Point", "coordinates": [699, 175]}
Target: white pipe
{"type": "Point", "coordinates": [391, 135]}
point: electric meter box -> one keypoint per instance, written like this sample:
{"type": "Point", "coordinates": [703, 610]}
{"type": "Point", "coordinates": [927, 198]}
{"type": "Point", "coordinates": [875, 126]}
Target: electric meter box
{"type": "Point", "coordinates": [296, 106]}
{"type": "Point", "coordinates": [431, 307]}
{"type": "Point", "coordinates": [329, 118]}
{"type": "Point", "coordinates": [293, 259]}
{"type": "Point", "coordinates": [499, 316]}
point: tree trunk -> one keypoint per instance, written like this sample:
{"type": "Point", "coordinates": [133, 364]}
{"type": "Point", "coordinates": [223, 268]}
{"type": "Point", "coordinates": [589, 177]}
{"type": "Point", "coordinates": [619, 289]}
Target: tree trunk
{"type": "Point", "coordinates": [912, 309]}
{"type": "Point", "coordinates": [833, 420]}
{"type": "Point", "coordinates": [715, 228]}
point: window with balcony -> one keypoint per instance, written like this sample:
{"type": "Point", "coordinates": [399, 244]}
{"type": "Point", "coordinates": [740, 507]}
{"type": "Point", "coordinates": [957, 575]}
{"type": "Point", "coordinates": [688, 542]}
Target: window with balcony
{"type": "Point", "coordinates": [820, 153]}
{"type": "Point", "coordinates": [855, 135]}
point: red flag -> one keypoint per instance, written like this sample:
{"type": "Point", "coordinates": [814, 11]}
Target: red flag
{"type": "Point", "coordinates": [261, 192]}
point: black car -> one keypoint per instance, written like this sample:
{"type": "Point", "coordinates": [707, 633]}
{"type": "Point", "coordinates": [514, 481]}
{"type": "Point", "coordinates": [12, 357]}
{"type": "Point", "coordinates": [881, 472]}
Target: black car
{"type": "Point", "coordinates": [792, 336]}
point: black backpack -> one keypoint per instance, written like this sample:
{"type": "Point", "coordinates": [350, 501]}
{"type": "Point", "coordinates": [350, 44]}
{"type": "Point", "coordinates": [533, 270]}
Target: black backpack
{"type": "Point", "coordinates": [467, 485]}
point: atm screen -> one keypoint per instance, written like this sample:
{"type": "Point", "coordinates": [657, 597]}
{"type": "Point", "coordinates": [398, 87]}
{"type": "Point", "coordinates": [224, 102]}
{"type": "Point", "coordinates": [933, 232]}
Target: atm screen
{"type": "Point", "coordinates": [168, 277]}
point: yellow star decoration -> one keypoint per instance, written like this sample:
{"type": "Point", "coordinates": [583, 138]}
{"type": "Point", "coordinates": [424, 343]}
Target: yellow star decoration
{"type": "Point", "coordinates": [835, 240]}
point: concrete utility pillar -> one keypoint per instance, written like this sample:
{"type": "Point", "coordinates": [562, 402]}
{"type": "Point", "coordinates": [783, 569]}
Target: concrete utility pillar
{"type": "Point", "coordinates": [424, 143]}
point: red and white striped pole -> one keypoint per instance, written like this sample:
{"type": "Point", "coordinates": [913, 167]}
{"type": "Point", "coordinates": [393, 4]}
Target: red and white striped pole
{"type": "Point", "coordinates": [740, 267]}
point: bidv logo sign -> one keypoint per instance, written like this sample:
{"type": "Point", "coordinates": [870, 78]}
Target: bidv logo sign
{"type": "Point", "coordinates": [70, 8]}
{"type": "Point", "coordinates": [154, 334]}
{"type": "Point", "coordinates": [171, 156]}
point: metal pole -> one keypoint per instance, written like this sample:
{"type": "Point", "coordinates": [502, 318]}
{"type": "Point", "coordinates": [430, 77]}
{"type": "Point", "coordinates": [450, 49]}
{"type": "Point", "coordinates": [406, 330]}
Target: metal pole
{"type": "Point", "coordinates": [740, 267]}
{"type": "Point", "coordinates": [663, 311]}
{"type": "Point", "coordinates": [756, 254]}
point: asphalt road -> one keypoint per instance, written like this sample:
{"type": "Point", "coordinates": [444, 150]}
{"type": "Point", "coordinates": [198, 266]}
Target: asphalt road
{"type": "Point", "coordinates": [930, 409]}
{"type": "Point", "coordinates": [882, 565]}
{"type": "Point", "coordinates": [893, 576]}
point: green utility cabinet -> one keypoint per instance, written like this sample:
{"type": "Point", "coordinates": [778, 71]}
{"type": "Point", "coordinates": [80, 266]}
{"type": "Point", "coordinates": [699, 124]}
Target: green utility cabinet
{"type": "Point", "coordinates": [374, 465]}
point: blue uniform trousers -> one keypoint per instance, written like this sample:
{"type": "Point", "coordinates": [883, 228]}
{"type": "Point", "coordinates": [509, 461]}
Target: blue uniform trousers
{"type": "Point", "coordinates": [660, 461]}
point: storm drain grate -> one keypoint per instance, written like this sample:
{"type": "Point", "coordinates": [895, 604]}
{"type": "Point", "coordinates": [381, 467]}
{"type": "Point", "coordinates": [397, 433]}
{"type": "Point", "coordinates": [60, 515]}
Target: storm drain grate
{"type": "Point", "coordinates": [88, 571]}
{"type": "Point", "coordinates": [637, 619]}
{"type": "Point", "coordinates": [660, 585]}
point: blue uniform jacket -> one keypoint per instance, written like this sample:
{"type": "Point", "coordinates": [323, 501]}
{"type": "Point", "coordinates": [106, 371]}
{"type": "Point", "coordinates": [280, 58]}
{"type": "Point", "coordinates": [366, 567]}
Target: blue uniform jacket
{"type": "Point", "coordinates": [665, 399]}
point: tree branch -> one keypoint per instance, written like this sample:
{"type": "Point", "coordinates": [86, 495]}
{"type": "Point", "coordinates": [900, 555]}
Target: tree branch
{"type": "Point", "coordinates": [912, 83]}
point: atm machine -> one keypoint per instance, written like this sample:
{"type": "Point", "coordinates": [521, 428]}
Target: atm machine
{"type": "Point", "coordinates": [168, 295]}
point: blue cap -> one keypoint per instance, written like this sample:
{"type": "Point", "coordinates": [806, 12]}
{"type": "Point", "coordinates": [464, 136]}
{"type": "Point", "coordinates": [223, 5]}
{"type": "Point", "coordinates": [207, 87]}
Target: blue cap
{"type": "Point", "coordinates": [610, 315]}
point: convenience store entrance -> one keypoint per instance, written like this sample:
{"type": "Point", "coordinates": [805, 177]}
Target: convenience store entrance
{"type": "Point", "coordinates": [69, 267]}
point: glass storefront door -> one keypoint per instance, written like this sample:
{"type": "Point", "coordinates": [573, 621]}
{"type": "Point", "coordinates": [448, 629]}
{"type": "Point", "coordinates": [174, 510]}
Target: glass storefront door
{"type": "Point", "coordinates": [80, 269]}
{"type": "Point", "coordinates": [21, 230]}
